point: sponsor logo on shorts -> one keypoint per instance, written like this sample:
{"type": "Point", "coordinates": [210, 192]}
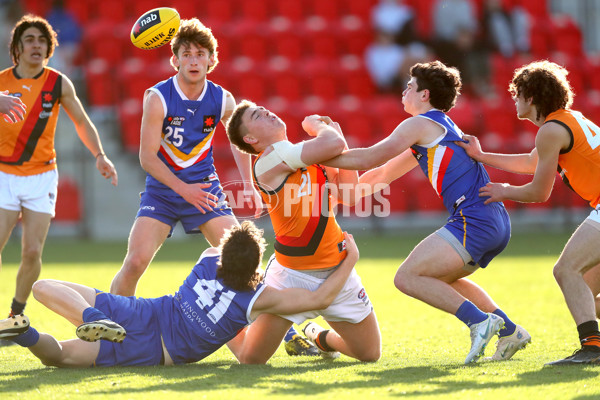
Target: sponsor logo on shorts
{"type": "Point", "coordinates": [151, 208]}
{"type": "Point", "coordinates": [362, 296]}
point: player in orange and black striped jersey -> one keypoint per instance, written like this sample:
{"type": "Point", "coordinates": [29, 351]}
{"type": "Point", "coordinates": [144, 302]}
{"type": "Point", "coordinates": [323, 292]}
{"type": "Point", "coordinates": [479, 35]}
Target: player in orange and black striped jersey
{"type": "Point", "coordinates": [28, 177]}
{"type": "Point", "coordinates": [568, 142]}
{"type": "Point", "coordinates": [309, 243]}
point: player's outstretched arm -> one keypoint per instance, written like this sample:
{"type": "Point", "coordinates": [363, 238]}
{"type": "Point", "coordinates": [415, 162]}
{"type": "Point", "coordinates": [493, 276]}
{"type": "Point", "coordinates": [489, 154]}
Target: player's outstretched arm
{"type": "Point", "coordinates": [86, 130]}
{"type": "Point", "coordinates": [516, 163]}
{"type": "Point", "coordinates": [405, 135]}
{"type": "Point", "coordinates": [295, 300]}
{"type": "Point", "coordinates": [549, 141]}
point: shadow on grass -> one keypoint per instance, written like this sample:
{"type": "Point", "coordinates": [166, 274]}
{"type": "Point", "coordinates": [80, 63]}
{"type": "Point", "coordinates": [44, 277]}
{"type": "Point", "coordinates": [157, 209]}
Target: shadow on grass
{"type": "Point", "coordinates": [223, 375]}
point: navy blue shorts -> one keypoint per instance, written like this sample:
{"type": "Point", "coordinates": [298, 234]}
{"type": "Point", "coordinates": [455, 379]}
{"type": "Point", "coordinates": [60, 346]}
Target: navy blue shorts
{"type": "Point", "coordinates": [484, 231]}
{"type": "Point", "coordinates": [171, 208]}
{"type": "Point", "coordinates": [142, 345]}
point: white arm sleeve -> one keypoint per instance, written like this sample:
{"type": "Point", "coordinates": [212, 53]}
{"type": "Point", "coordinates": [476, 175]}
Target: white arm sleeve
{"type": "Point", "coordinates": [290, 153]}
{"type": "Point", "coordinates": [283, 151]}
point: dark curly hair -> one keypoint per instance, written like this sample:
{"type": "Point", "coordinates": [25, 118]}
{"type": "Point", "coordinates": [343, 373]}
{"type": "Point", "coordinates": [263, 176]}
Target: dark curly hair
{"type": "Point", "coordinates": [234, 127]}
{"type": "Point", "coordinates": [546, 83]}
{"type": "Point", "coordinates": [241, 248]}
{"type": "Point", "coordinates": [443, 83]}
{"type": "Point", "coordinates": [26, 22]}
{"type": "Point", "coordinates": [193, 31]}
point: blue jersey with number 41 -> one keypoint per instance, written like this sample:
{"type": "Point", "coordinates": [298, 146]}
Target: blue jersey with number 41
{"type": "Point", "coordinates": [204, 314]}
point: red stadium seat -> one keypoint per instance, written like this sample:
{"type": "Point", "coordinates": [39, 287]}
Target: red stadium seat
{"type": "Point", "coordinates": [251, 86]}
{"type": "Point", "coordinates": [36, 7]}
{"type": "Point", "coordinates": [103, 40]}
{"type": "Point", "coordinates": [330, 10]}
{"type": "Point", "coordinates": [68, 200]}
{"type": "Point", "coordinates": [421, 193]}
{"type": "Point", "coordinates": [287, 84]}
{"type": "Point", "coordinates": [498, 116]}
{"type": "Point", "coordinates": [293, 10]}
{"type": "Point", "coordinates": [130, 116]}
{"type": "Point", "coordinates": [250, 42]}
{"type": "Point", "coordinates": [464, 114]}
{"type": "Point", "coordinates": [287, 44]}
{"type": "Point", "coordinates": [115, 11]}
{"type": "Point", "coordinates": [356, 79]}
{"type": "Point", "coordinates": [355, 34]}
{"type": "Point", "coordinates": [139, 7]}
{"type": "Point", "coordinates": [258, 11]}
{"type": "Point", "coordinates": [398, 196]}
{"type": "Point", "coordinates": [100, 83]}
{"type": "Point", "coordinates": [219, 11]}
{"type": "Point", "coordinates": [134, 78]}
{"type": "Point", "coordinates": [567, 38]}
{"type": "Point", "coordinates": [423, 16]}
{"type": "Point", "coordinates": [81, 9]}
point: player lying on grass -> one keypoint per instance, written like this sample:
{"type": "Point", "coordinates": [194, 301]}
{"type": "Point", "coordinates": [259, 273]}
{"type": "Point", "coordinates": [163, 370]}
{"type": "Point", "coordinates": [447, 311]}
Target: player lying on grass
{"type": "Point", "coordinates": [223, 293]}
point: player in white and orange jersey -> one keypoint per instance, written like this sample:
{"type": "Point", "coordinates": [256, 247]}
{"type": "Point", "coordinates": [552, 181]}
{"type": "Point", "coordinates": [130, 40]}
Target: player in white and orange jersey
{"type": "Point", "coordinates": [28, 175]}
{"type": "Point", "coordinates": [309, 243]}
{"type": "Point", "coordinates": [570, 143]}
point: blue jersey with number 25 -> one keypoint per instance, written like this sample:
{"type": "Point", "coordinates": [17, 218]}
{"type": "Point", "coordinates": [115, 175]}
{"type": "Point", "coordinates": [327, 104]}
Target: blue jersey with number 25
{"type": "Point", "coordinates": [204, 314]}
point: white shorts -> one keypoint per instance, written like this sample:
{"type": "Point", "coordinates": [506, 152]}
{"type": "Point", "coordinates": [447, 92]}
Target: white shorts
{"type": "Point", "coordinates": [351, 305]}
{"type": "Point", "coordinates": [34, 192]}
{"type": "Point", "coordinates": [594, 218]}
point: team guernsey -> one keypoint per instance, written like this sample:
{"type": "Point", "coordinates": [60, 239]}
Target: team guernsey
{"type": "Point", "coordinates": [579, 165]}
{"type": "Point", "coordinates": [27, 147]}
{"type": "Point", "coordinates": [482, 230]}
{"type": "Point", "coordinates": [187, 131]}
{"type": "Point", "coordinates": [307, 236]}
{"type": "Point", "coordinates": [455, 177]}
{"type": "Point", "coordinates": [203, 315]}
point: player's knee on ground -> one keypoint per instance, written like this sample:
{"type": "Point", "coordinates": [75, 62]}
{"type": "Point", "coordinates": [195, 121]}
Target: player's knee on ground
{"type": "Point", "coordinates": [245, 358]}
{"type": "Point", "coordinates": [370, 355]}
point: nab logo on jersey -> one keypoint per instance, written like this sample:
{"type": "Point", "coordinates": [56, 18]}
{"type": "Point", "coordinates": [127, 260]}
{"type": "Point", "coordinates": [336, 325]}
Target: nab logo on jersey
{"type": "Point", "coordinates": [175, 121]}
{"type": "Point", "coordinates": [209, 122]}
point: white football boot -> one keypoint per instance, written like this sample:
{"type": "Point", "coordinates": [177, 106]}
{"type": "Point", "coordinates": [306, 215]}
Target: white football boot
{"type": "Point", "coordinates": [311, 331]}
{"type": "Point", "coordinates": [481, 334]}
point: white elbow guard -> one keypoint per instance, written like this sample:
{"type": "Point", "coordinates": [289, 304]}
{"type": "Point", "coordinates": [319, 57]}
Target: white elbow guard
{"type": "Point", "coordinates": [290, 153]}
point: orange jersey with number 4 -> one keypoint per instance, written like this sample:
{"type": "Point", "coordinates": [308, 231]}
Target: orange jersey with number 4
{"type": "Point", "coordinates": [579, 166]}
{"type": "Point", "coordinates": [27, 147]}
{"type": "Point", "coordinates": [307, 236]}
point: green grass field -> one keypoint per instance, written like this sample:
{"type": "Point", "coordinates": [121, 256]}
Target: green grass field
{"type": "Point", "coordinates": [423, 349]}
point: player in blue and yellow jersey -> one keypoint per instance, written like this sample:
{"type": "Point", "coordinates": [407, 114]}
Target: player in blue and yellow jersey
{"type": "Point", "coordinates": [178, 126]}
{"type": "Point", "coordinates": [223, 293]}
{"type": "Point", "coordinates": [436, 270]}
{"type": "Point", "coordinates": [28, 166]}
{"type": "Point", "coordinates": [566, 142]}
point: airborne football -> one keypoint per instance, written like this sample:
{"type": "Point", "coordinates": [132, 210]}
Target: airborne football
{"type": "Point", "coordinates": [155, 28]}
